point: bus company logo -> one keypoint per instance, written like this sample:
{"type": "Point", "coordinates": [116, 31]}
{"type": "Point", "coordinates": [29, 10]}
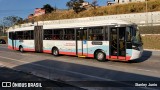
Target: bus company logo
{"type": "Point", "coordinates": [6, 84]}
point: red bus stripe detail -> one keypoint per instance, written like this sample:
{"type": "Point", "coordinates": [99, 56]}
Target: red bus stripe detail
{"type": "Point", "coordinates": [91, 55]}
{"type": "Point", "coordinates": [25, 49]}
{"type": "Point", "coordinates": [47, 51]}
{"type": "Point", "coordinates": [67, 53]}
{"type": "Point", "coordinates": [119, 57]}
{"type": "Point", "coordinates": [10, 47]}
{"type": "Point", "coordinates": [28, 49]}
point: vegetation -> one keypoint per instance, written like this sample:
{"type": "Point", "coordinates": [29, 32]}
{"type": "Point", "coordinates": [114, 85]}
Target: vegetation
{"type": "Point", "coordinates": [48, 8]}
{"type": "Point", "coordinates": [153, 5]}
{"type": "Point", "coordinates": [149, 29]}
{"type": "Point", "coordinates": [94, 4]}
{"type": "Point", "coordinates": [151, 41]}
{"type": "Point", "coordinates": [76, 5]}
{"type": "Point", "coordinates": [12, 20]}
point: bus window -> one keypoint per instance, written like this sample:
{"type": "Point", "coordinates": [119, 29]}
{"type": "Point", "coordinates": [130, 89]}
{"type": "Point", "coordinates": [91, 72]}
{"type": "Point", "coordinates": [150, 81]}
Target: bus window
{"type": "Point", "coordinates": [26, 35]}
{"type": "Point", "coordinates": [57, 34]}
{"type": "Point", "coordinates": [69, 34]}
{"type": "Point", "coordinates": [96, 33]}
{"type": "Point", "coordinates": [19, 35]}
{"type": "Point", "coordinates": [48, 34]}
{"type": "Point", "coordinates": [106, 33]}
{"type": "Point", "coordinates": [10, 35]}
{"type": "Point", "coordinates": [128, 34]}
{"type": "Point", "coordinates": [32, 34]}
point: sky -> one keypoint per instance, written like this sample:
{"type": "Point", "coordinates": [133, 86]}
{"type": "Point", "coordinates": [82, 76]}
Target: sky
{"type": "Point", "coordinates": [23, 8]}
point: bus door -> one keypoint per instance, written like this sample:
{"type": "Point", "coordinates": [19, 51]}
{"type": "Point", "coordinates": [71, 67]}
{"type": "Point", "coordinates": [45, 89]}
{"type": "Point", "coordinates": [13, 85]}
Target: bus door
{"type": "Point", "coordinates": [38, 38]}
{"type": "Point", "coordinates": [118, 43]}
{"type": "Point", "coordinates": [81, 42]}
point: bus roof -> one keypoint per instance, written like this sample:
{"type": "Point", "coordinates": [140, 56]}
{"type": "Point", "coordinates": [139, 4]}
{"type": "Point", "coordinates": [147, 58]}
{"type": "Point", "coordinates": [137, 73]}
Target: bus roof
{"type": "Point", "coordinates": [72, 23]}
{"type": "Point", "coordinates": [88, 24]}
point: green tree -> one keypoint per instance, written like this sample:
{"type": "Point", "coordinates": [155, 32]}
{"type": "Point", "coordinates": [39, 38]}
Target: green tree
{"type": "Point", "coordinates": [48, 8]}
{"type": "Point", "coordinates": [76, 5]}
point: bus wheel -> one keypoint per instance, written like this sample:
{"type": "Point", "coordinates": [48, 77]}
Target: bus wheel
{"type": "Point", "coordinates": [21, 49]}
{"type": "Point", "coordinates": [100, 56]}
{"type": "Point", "coordinates": [55, 52]}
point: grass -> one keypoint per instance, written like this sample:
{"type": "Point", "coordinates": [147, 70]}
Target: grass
{"type": "Point", "coordinates": [149, 29]}
{"type": "Point", "coordinates": [138, 7]}
{"type": "Point", "coordinates": [151, 41]}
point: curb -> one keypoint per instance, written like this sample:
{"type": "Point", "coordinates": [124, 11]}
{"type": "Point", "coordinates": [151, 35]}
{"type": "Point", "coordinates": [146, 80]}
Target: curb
{"type": "Point", "coordinates": [151, 49]}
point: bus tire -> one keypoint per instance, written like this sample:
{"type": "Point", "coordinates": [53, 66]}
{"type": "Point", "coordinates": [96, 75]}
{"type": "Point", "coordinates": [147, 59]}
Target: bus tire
{"type": "Point", "coordinates": [100, 56]}
{"type": "Point", "coordinates": [55, 51]}
{"type": "Point", "coordinates": [21, 49]}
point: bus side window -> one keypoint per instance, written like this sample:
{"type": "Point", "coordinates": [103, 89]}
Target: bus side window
{"type": "Point", "coordinates": [69, 34]}
{"type": "Point", "coordinates": [128, 34]}
{"type": "Point", "coordinates": [106, 33]}
{"type": "Point", "coordinates": [96, 33]}
{"type": "Point", "coordinates": [48, 34]}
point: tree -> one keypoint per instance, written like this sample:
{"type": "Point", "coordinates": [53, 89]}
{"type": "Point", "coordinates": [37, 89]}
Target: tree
{"type": "Point", "coordinates": [48, 8]}
{"type": "Point", "coordinates": [76, 5]}
{"type": "Point", "coordinates": [12, 20]}
{"type": "Point", "coordinates": [94, 4]}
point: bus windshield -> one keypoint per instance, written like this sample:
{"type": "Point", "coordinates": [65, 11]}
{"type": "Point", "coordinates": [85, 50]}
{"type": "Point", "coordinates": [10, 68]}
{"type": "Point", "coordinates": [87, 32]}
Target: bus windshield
{"type": "Point", "coordinates": [136, 38]}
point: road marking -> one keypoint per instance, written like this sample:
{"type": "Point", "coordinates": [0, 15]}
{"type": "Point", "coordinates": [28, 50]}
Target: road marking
{"type": "Point", "coordinates": [86, 75]}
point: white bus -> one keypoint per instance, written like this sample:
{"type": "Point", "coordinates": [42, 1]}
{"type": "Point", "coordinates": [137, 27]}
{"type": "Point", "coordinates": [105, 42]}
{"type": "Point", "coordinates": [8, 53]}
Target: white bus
{"type": "Point", "coordinates": [102, 40]}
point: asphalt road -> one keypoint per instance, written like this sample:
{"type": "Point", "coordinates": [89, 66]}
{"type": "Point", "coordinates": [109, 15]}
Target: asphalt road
{"type": "Point", "coordinates": [87, 73]}
{"type": "Point", "coordinates": [14, 76]}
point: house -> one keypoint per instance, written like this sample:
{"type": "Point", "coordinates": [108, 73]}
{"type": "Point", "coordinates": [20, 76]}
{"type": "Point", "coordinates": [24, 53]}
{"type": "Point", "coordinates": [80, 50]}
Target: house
{"type": "Point", "coordinates": [37, 12]}
{"type": "Point", "coordinates": [127, 1]}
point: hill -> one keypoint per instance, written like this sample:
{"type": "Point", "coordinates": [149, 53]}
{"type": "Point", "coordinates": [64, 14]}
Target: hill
{"type": "Point", "coordinates": [152, 5]}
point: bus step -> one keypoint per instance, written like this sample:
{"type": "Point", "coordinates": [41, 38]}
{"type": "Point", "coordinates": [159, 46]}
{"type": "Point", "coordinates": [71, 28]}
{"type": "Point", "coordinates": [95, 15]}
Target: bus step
{"type": "Point", "coordinates": [82, 56]}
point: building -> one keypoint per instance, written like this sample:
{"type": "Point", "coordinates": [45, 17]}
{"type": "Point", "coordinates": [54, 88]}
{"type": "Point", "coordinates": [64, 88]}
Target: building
{"type": "Point", "coordinates": [37, 12]}
{"type": "Point", "coordinates": [127, 1]}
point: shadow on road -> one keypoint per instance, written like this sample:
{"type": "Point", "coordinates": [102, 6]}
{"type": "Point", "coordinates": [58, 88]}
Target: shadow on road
{"type": "Point", "coordinates": [145, 56]}
{"type": "Point", "coordinates": [68, 72]}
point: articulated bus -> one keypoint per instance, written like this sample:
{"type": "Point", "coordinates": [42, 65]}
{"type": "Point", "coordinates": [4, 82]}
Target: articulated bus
{"type": "Point", "coordinates": [102, 40]}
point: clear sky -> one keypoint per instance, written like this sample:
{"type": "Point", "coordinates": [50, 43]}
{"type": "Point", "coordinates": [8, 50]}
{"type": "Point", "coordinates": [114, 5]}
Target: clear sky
{"type": "Point", "coordinates": [23, 8]}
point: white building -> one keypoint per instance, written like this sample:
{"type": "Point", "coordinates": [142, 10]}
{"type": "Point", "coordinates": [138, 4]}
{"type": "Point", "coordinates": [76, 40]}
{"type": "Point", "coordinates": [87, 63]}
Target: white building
{"type": "Point", "coordinates": [127, 1]}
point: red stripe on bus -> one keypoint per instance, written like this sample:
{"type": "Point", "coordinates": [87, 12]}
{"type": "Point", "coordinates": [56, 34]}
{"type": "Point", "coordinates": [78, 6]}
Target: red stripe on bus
{"type": "Point", "coordinates": [91, 55]}
{"type": "Point", "coordinates": [47, 51]}
{"type": "Point", "coordinates": [28, 49]}
{"type": "Point", "coordinates": [119, 57]}
{"type": "Point", "coordinates": [67, 53]}
{"type": "Point", "coordinates": [25, 49]}
{"type": "Point", "coordinates": [10, 47]}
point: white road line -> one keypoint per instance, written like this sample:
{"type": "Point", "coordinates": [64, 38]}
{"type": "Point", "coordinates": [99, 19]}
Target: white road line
{"type": "Point", "coordinates": [104, 79]}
